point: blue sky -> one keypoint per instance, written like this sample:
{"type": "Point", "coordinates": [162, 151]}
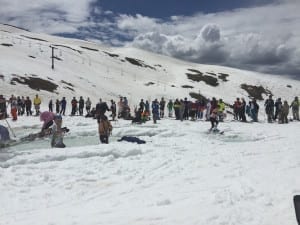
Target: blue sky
{"type": "Point", "coordinates": [168, 8]}
{"type": "Point", "coordinates": [260, 35]}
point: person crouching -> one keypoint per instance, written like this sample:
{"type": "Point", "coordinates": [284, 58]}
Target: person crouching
{"type": "Point", "coordinates": [57, 133]}
{"type": "Point", "coordinates": [104, 129]}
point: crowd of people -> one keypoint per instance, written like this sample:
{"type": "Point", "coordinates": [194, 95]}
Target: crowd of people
{"type": "Point", "coordinates": [212, 110]}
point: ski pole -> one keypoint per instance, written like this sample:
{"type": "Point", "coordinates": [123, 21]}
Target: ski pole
{"type": "Point", "coordinates": [10, 128]}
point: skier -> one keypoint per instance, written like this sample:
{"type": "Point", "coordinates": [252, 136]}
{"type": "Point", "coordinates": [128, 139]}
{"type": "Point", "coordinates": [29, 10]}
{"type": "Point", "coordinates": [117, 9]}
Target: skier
{"type": "Point", "coordinates": [104, 129]}
{"type": "Point", "coordinates": [57, 133]}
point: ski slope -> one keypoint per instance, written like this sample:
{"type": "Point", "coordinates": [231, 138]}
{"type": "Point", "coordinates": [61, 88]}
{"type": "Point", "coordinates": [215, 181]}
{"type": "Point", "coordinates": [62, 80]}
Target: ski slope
{"type": "Point", "coordinates": [182, 175]}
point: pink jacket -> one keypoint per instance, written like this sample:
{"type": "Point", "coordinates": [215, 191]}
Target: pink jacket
{"type": "Point", "coordinates": [46, 117]}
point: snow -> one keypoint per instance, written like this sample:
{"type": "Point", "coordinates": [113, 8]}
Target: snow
{"type": "Point", "coordinates": [182, 175]}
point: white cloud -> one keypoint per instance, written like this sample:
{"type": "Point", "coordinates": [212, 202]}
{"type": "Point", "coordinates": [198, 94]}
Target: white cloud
{"type": "Point", "coordinates": [262, 38]}
{"type": "Point", "coordinates": [48, 16]}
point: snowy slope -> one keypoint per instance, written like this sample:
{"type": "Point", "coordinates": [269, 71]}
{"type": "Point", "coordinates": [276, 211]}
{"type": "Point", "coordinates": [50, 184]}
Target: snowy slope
{"type": "Point", "coordinates": [182, 176]}
{"type": "Point", "coordinates": [100, 71]}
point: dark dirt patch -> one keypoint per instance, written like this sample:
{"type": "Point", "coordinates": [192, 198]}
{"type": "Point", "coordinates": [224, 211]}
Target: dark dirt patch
{"type": "Point", "coordinates": [7, 45]}
{"type": "Point", "coordinates": [111, 54]}
{"type": "Point", "coordinates": [33, 38]}
{"type": "Point", "coordinates": [69, 84]}
{"type": "Point", "coordinates": [35, 83]}
{"type": "Point", "coordinates": [198, 96]}
{"type": "Point", "coordinates": [1, 77]}
{"type": "Point", "coordinates": [173, 85]}
{"type": "Point", "coordinates": [289, 86]}
{"type": "Point", "coordinates": [223, 76]}
{"type": "Point", "coordinates": [49, 78]}
{"type": "Point", "coordinates": [158, 65]}
{"type": "Point", "coordinates": [210, 73]}
{"type": "Point", "coordinates": [64, 46]}
{"type": "Point", "coordinates": [195, 71]}
{"type": "Point", "coordinates": [138, 62]}
{"type": "Point", "coordinates": [149, 83]}
{"type": "Point", "coordinates": [91, 49]}
{"type": "Point", "coordinates": [255, 91]}
{"type": "Point", "coordinates": [31, 56]}
{"type": "Point", "coordinates": [69, 88]}
{"type": "Point", "coordinates": [187, 86]}
{"type": "Point", "coordinates": [212, 81]}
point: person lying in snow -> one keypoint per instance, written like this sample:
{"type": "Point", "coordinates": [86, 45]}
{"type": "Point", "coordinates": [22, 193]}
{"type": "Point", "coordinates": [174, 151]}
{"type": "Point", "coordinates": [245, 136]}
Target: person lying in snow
{"type": "Point", "coordinates": [132, 139]}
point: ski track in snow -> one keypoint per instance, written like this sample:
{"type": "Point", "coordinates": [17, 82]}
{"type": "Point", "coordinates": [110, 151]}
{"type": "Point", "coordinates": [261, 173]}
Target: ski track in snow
{"type": "Point", "coordinates": [183, 175]}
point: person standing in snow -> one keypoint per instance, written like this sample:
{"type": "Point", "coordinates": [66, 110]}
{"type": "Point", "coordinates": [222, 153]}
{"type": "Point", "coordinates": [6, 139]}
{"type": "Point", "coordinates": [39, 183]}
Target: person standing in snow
{"type": "Point", "coordinates": [63, 104]}
{"type": "Point", "coordinates": [162, 104]}
{"type": "Point", "coordinates": [74, 106]}
{"type": "Point", "coordinates": [81, 105]}
{"type": "Point", "coordinates": [295, 108]}
{"type": "Point", "coordinates": [170, 108]}
{"type": "Point", "coordinates": [269, 107]}
{"type": "Point", "coordinates": [28, 105]}
{"type": "Point", "coordinates": [57, 104]}
{"type": "Point", "coordinates": [57, 133]}
{"type": "Point", "coordinates": [155, 110]}
{"type": "Point", "coordinates": [14, 108]}
{"type": "Point", "coordinates": [113, 108]}
{"type": "Point", "coordinates": [50, 105]}
{"type": "Point", "coordinates": [214, 119]}
{"type": "Point", "coordinates": [104, 129]}
{"type": "Point", "coordinates": [208, 107]}
{"type": "Point", "coordinates": [285, 112]}
{"type": "Point", "coordinates": [37, 103]}
{"type": "Point", "coordinates": [88, 105]}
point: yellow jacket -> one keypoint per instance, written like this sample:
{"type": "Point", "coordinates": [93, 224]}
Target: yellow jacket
{"type": "Point", "coordinates": [37, 101]}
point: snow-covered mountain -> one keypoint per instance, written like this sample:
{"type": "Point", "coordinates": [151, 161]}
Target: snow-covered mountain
{"type": "Point", "coordinates": [83, 68]}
